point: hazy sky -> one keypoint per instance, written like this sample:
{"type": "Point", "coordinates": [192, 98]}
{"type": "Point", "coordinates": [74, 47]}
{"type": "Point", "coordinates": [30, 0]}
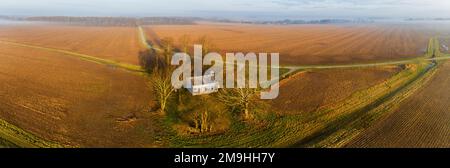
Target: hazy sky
{"type": "Point", "coordinates": [231, 8]}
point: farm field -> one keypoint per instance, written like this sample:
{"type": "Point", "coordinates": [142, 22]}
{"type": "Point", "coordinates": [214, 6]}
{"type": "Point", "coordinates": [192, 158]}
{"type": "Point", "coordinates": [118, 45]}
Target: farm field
{"type": "Point", "coordinates": [308, 44]}
{"type": "Point", "coordinates": [421, 121]}
{"type": "Point", "coordinates": [60, 85]}
{"type": "Point", "coordinates": [115, 43]}
{"type": "Point", "coordinates": [75, 102]}
{"type": "Point", "coordinates": [309, 90]}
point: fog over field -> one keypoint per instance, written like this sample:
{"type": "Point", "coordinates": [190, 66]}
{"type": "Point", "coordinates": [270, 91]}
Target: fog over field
{"type": "Point", "coordinates": [242, 9]}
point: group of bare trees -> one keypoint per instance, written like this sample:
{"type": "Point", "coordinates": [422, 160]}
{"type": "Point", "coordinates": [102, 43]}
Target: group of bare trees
{"type": "Point", "coordinates": [240, 99]}
{"type": "Point", "coordinates": [157, 63]}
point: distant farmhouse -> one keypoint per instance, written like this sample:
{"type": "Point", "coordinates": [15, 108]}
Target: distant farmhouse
{"type": "Point", "coordinates": [208, 84]}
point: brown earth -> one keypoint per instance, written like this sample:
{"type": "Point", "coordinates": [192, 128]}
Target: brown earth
{"type": "Point", "coordinates": [116, 43]}
{"type": "Point", "coordinates": [421, 121]}
{"type": "Point", "coordinates": [308, 91]}
{"type": "Point", "coordinates": [74, 102]}
{"type": "Point", "coordinates": [308, 44]}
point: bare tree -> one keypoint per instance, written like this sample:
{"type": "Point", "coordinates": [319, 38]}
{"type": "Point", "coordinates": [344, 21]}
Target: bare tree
{"type": "Point", "coordinates": [242, 99]}
{"type": "Point", "coordinates": [148, 60]}
{"type": "Point", "coordinates": [202, 121]}
{"type": "Point", "coordinates": [167, 47]}
{"type": "Point", "coordinates": [161, 76]}
{"type": "Point", "coordinates": [207, 44]}
{"type": "Point", "coordinates": [185, 42]}
{"type": "Point", "coordinates": [205, 122]}
{"type": "Point", "coordinates": [162, 86]}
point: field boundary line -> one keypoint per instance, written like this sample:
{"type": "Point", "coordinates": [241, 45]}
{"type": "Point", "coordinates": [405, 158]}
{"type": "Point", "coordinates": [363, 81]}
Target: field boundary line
{"type": "Point", "coordinates": [363, 65]}
{"type": "Point", "coordinates": [143, 39]}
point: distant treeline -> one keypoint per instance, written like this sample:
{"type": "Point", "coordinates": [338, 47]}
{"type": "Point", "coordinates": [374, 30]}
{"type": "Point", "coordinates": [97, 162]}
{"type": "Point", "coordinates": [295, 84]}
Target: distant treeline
{"type": "Point", "coordinates": [107, 21]}
{"type": "Point", "coordinates": [291, 22]}
{"type": "Point", "coordinates": [428, 19]}
{"type": "Point", "coordinates": [131, 21]}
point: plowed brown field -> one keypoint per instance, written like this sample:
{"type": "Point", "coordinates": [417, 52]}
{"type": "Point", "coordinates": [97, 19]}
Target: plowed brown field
{"type": "Point", "coordinates": [308, 91]}
{"type": "Point", "coordinates": [421, 121]}
{"type": "Point", "coordinates": [309, 44]}
{"type": "Point", "coordinates": [114, 43]}
{"type": "Point", "coordinates": [75, 102]}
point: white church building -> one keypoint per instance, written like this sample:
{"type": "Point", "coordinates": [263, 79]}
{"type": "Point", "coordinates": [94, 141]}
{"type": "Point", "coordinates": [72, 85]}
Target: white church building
{"type": "Point", "coordinates": [208, 84]}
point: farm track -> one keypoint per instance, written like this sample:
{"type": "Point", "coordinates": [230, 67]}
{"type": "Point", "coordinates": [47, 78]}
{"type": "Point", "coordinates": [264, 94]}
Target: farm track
{"type": "Point", "coordinates": [144, 41]}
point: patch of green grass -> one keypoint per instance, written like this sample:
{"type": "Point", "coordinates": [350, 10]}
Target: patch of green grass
{"type": "Point", "coordinates": [6, 144]}
{"type": "Point", "coordinates": [283, 71]}
{"type": "Point", "coordinates": [12, 136]}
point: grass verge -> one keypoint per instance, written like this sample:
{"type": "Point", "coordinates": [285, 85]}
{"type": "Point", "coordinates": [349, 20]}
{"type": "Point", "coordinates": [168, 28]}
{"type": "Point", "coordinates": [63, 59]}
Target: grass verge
{"type": "Point", "coordinates": [12, 136]}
